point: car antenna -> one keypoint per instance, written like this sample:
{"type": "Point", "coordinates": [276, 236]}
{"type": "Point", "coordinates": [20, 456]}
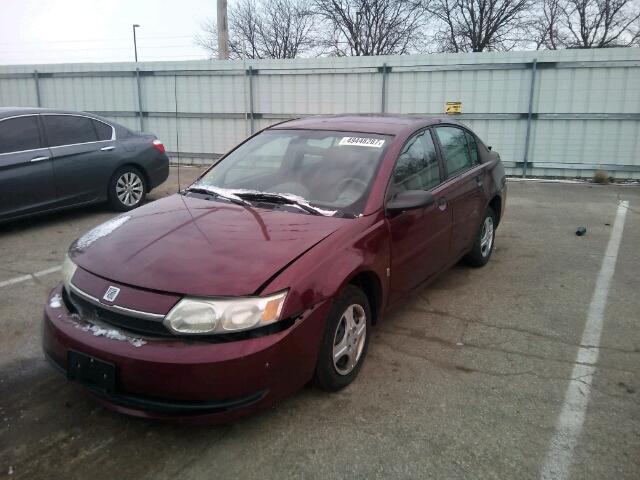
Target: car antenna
{"type": "Point", "coordinates": [175, 97]}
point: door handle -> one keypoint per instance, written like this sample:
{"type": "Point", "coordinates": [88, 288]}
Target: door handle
{"type": "Point", "coordinates": [107, 149]}
{"type": "Point", "coordinates": [479, 181]}
{"type": "Point", "coordinates": [442, 203]}
{"type": "Point", "coordinates": [39, 159]}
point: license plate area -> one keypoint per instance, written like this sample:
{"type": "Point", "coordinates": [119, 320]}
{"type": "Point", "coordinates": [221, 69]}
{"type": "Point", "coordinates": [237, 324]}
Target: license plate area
{"type": "Point", "coordinates": [91, 372]}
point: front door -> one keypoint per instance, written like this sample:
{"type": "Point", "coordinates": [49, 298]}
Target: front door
{"type": "Point", "coordinates": [419, 238]}
{"type": "Point", "coordinates": [26, 173]}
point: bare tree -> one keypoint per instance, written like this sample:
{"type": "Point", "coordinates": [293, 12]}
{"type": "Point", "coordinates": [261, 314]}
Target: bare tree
{"type": "Point", "coordinates": [547, 28]}
{"type": "Point", "coordinates": [479, 25]}
{"type": "Point", "coordinates": [601, 23]}
{"type": "Point", "coordinates": [371, 27]}
{"type": "Point", "coordinates": [270, 29]}
{"type": "Point", "coordinates": [207, 38]}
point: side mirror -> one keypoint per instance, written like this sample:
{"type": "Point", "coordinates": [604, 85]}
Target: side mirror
{"type": "Point", "coordinates": [489, 147]}
{"type": "Point", "coordinates": [410, 200]}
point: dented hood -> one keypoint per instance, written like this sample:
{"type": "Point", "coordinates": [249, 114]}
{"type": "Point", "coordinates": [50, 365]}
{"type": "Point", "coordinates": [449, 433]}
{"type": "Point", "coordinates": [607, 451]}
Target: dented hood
{"type": "Point", "coordinates": [198, 247]}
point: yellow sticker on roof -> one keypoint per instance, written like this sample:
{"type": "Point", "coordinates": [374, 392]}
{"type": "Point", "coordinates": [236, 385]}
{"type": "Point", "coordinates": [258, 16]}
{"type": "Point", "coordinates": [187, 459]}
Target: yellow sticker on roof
{"type": "Point", "coordinates": [362, 142]}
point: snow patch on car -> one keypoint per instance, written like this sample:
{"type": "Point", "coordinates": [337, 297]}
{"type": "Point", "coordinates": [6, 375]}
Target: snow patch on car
{"type": "Point", "coordinates": [111, 334]}
{"type": "Point", "coordinates": [100, 231]}
{"type": "Point", "coordinates": [99, 331]}
{"type": "Point", "coordinates": [55, 301]}
{"type": "Point", "coordinates": [233, 193]}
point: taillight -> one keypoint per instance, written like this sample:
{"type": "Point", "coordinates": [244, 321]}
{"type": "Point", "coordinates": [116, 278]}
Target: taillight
{"type": "Point", "coordinates": [158, 145]}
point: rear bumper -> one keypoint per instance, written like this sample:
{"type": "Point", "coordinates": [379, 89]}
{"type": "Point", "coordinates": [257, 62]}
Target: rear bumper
{"type": "Point", "coordinates": [158, 171]}
{"type": "Point", "coordinates": [189, 379]}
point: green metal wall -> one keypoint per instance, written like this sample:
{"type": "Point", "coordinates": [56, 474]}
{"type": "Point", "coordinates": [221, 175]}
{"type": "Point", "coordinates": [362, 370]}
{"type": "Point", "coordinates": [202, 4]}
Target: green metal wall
{"type": "Point", "coordinates": [580, 109]}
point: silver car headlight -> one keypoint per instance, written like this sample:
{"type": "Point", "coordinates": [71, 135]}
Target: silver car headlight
{"type": "Point", "coordinates": [206, 316]}
{"type": "Point", "coordinates": [68, 269]}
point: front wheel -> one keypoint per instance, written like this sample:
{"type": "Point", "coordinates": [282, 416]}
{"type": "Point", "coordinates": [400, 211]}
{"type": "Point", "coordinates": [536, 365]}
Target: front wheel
{"type": "Point", "coordinates": [484, 242]}
{"type": "Point", "coordinates": [127, 189]}
{"type": "Point", "coordinates": [345, 341]}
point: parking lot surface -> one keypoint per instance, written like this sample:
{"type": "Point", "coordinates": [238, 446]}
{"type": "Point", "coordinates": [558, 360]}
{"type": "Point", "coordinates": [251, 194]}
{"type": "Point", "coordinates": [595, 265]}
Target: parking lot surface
{"type": "Point", "coordinates": [471, 378]}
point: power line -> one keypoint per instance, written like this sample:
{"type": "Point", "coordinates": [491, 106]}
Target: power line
{"type": "Point", "coordinates": [119, 39]}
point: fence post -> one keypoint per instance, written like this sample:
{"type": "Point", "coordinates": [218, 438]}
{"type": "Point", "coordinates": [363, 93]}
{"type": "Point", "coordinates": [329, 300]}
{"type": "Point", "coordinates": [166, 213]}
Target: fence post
{"type": "Point", "coordinates": [529, 118]}
{"type": "Point", "coordinates": [385, 70]}
{"type": "Point", "coordinates": [251, 72]}
{"type": "Point", "coordinates": [37, 80]}
{"type": "Point", "coordinates": [139, 98]}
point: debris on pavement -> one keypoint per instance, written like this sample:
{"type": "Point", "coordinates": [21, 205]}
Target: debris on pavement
{"type": "Point", "coordinates": [581, 231]}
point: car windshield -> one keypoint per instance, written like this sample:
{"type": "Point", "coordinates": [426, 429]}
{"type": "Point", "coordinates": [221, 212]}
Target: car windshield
{"type": "Point", "coordinates": [323, 171]}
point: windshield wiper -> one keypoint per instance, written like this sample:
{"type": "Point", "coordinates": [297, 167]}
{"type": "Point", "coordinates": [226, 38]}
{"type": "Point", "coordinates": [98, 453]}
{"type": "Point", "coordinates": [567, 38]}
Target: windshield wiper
{"type": "Point", "coordinates": [206, 191]}
{"type": "Point", "coordinates": [281, 199]}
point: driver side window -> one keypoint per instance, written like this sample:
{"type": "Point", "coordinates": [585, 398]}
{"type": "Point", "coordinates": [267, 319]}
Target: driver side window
{"type": "Point", "coordinates": [417, 167]}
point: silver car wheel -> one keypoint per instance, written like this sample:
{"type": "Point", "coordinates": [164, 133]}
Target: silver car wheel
{"type": "Point", "coordinates": [486, 236]}
{"type": "Point", "coordinates": [129, 189]}
{"type": "Point", "coordinates": [349, 339]}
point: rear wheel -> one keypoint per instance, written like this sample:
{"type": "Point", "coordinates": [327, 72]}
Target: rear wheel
{"type": "Point", "coordinates": [485, 239]}
{"type": "Point", "coordinates": [346, 339]}
{"type": "Point", "coordinates": [127, 189]}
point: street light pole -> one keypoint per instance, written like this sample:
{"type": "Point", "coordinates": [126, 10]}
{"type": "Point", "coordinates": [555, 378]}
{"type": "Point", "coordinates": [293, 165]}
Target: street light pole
{"type": "Point", "coordinates": [135, 45]}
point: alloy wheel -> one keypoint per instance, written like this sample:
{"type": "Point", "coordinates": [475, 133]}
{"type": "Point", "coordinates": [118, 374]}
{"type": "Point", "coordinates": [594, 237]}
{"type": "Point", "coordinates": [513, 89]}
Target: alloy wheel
{"type": "Point", "coordinates": [486, 236]}
{"type": "Point", "coordinates": [129, 189]}
{"type": "Point", "coordinates": [349, 339]}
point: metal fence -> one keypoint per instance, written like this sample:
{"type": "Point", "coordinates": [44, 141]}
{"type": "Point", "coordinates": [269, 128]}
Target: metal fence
{"type": "Point", "coordinates": [563, 113]}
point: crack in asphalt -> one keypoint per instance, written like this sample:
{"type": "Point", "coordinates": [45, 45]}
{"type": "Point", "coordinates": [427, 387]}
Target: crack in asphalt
{"type": "Point", "coordinates": [450, 366]}
{"type": "Point", "coordinates": [546, 336]}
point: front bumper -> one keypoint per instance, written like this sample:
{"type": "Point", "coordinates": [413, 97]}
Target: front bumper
{"type": "Point", "coordinates": [193, 379]}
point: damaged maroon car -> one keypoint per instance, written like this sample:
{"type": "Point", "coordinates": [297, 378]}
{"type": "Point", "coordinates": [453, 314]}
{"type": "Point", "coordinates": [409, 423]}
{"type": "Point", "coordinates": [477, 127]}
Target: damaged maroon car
{"type": "Point", "coordinates": [272, 268]}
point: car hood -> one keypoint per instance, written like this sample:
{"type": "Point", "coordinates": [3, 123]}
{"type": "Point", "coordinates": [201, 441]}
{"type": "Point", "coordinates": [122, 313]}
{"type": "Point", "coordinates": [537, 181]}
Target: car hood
{"type": "Point", "coordinates": [198, 247]}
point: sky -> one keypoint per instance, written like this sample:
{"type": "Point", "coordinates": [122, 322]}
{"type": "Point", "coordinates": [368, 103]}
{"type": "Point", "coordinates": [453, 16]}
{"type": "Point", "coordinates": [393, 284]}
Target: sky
{"type": "Point", "coordinates": [60, 31]}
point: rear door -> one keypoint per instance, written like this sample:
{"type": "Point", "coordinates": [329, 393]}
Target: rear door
{"type": "Point", "coordinates": [26, 174]}
{"type": "Point", "coordinates": [419, 238]}
{"type": "Point", "coordinates": [84, 152]}
{"type": "Point", "coordinates": [464, 190]}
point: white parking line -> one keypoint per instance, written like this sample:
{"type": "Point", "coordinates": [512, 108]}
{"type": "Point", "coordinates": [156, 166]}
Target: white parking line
{"type": "Point", "coordinates": [29, 276]}
{"type": "Point", "coordinates": [576, 400]}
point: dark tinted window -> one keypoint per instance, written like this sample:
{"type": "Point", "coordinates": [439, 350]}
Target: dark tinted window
{"type": "Point", "coordinates": [454, 149]}
{"type": "Point", "coordinates": [417, 167]}
{"type": "Point", "coordinates": [68, 129]}
{"type": "Point", "coordinates": [473, 148]}
{"type": "Point", "coordinates": [18, 134]}
{"type": "Point", "coordinates": [103, 130]}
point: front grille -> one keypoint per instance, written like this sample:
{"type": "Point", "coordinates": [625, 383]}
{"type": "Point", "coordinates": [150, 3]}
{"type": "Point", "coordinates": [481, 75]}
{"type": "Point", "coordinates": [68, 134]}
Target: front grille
{"type": "Point", "coordinates": [88, 311]}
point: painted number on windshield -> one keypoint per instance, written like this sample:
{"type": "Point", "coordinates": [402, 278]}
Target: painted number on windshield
{"type": "Point", "coordinates": [362, 142]}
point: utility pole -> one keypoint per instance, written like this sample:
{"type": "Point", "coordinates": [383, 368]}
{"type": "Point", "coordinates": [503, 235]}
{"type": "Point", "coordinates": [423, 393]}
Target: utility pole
{"type": "Point", "coordinates": [223, 31]}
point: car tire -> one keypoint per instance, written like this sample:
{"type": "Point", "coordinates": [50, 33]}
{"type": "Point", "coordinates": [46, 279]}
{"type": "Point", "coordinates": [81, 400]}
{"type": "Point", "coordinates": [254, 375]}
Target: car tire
{"type": "Point", "coordinates": [127, 189]}
{"type": "Point", "coordinates": [347, 330]}
{"type": "Point", "coordinates": [484, 242]}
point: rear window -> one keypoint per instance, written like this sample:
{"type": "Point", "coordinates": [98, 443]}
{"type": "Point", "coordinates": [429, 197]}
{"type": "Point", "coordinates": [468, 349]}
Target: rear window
{"type": "Point", "coordinates": [68, 130]}
{"type": "Point", "coordinates": [103, 130]}
{"type": "Point", "coordinates": [17, 134]}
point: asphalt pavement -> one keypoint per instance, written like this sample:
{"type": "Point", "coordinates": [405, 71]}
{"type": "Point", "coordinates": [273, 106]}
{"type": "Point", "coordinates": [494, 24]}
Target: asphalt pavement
{"type": "Point", "coordinates": [484, 374]}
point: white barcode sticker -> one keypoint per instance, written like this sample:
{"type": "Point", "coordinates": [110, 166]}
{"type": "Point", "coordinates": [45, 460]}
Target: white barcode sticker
{"type": "Point", "coordinates": [362, 142]}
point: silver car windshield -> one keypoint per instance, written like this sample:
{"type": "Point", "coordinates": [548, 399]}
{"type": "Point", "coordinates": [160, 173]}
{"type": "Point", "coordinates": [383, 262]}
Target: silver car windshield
{"type": "Point", "coordinates": [329, 171]}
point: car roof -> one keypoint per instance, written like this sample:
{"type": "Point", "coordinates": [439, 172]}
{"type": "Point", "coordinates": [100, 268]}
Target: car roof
{"type": "Point", "coordinates": [12, 111]}
{"type": "Point", "coordinates": [380, 123]}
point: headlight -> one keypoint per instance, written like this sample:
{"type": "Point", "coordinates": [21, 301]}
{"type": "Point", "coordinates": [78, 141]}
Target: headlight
{"type": "Point", "coordinates": [201, 316]}
{"type": "Point", "coordinates": [68, 269]}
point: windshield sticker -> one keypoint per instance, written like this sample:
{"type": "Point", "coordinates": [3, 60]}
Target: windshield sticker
{"type": "Point", "coordinates": [362, 142]}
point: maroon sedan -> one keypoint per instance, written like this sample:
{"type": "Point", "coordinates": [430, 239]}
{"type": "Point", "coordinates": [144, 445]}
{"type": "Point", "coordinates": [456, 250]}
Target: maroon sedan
{"type": "Point", "coordinates": [271, 269]}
